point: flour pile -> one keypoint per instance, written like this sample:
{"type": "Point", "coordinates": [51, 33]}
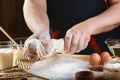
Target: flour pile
{"type": "Point", "coordinates": [59, 68]}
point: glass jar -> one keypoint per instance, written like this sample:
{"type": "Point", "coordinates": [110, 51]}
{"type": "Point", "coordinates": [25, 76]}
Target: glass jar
{"type": "Point", "coordinates": [6, 54]}
{"type": "Point", "coordinates": [114, 46]}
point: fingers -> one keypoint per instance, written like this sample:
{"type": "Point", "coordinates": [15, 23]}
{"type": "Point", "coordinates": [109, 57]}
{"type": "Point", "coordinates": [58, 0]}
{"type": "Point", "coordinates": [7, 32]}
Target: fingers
{"type": "Point", "coordinates": [35, 44]}
{"type": "Point", "coordinates": [75, 42]}
{"type": "Point", "coordinates": [82, 43]}
{"type": "Point", "coordinates": [67, 42]}
{"type": "Point", "coordinates": [32, 57]}
{"type": "Point", "coordinates": [87, 39]}
{"type": "Point", "coordinates": [35, 50]}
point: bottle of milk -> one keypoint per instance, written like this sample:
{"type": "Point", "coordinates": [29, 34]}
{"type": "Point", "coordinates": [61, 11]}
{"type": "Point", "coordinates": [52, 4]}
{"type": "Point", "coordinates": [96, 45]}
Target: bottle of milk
{"type": "Point", "coordinates": [6, 54]}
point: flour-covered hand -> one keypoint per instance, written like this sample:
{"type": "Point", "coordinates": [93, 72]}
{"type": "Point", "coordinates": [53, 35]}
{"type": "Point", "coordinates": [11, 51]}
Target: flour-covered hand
{"type": "Point", "coordinates": [77, 38]}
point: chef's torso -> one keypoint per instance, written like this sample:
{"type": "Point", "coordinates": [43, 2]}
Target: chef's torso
{"type": "Point", "coordinates": [63, 14]}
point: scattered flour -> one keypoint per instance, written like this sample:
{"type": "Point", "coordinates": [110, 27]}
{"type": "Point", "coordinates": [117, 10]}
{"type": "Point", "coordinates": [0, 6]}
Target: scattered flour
{"type": "Point", "coordinates": [113, 65]}
{"type": "Point", "coordinates": [60, 68]}
{"type": "Point", "coordinates": [112, 70]}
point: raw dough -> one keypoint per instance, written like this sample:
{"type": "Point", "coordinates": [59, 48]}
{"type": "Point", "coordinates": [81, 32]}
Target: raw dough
{"type": "Point", "coordinates": [35, 46]}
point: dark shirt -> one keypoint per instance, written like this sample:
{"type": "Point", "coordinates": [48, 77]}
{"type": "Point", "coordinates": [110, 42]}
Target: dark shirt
{"type": "Point", "coordinates": [63, 14]}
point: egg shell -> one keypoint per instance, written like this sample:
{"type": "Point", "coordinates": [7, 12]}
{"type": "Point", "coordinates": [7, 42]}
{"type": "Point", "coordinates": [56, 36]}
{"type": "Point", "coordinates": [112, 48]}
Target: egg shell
{"type": "Point", "coordinates": [95, 59]}
{"type": "Point", "coordinates": [105, 53]}
{"type": "Point", "coordinates": [107, 59]}
{"type": "Point", "coordinates": [105, 56]}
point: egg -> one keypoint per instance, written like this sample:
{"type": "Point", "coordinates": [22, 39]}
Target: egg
{"type": "Point", "coordinates": [95, 59]}
{"type": "Point", "coordinates": [105, 57]}
{"type": "Point", "coordinates": [104, 54]}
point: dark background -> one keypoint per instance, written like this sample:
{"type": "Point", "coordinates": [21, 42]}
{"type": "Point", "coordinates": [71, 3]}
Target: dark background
{"type": "Point", "coordinates": [12, 20]}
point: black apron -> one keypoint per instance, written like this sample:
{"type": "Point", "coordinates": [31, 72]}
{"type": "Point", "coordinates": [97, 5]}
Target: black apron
{"type": "Point", "coordinates": [63, 14]}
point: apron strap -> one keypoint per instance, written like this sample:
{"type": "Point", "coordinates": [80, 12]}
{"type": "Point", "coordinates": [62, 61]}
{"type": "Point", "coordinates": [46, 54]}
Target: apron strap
{"type": "Point", "coordinates": [95, 45]}
{"type": "Point", "coordinates": [55, 34]}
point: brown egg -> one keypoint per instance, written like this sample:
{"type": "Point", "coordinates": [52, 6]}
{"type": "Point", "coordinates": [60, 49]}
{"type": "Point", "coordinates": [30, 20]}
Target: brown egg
{"type": "Point", "coordinates": [105, 53]}
{"type": "Point", "coordinates": [105, 56]}
{"type": "Point", "coordinates": [95, 59]}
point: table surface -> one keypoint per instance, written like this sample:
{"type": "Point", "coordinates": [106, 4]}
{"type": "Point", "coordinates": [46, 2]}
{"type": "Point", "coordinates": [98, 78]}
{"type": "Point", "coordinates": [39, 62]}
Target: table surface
{"type": "Point", "coordinates": [76, 56]}
{"type": "Point", "coordinates": [98, 75]}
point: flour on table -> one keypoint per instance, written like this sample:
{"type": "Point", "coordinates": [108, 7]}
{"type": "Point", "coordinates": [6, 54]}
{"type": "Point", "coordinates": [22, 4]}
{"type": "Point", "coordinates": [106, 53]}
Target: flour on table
{"type": "Point", "coordinates": [59, 68]}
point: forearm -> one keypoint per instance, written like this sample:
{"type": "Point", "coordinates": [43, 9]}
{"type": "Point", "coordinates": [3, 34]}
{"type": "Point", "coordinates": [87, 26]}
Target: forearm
{"type": "Point", "coordinates": [106, 21]}
{"type": "Point", "coordinates": [35, 15]}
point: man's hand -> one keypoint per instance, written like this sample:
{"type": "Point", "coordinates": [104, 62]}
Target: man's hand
{"type": "Point", "coordinates": [36, 43]}
{"type": "Point", "coordinates": [77, 38]}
